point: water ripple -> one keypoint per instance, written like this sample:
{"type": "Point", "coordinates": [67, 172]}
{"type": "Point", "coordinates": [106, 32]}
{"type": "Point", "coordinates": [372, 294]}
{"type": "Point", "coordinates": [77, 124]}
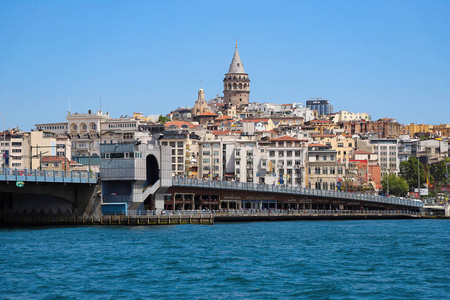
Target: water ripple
{"type": "Point", "coordinates": [279, 260]}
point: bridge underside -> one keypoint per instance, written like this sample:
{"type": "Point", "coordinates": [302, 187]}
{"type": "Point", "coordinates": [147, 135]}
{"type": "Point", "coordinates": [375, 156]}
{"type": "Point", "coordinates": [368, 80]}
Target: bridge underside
{"type": "Point", "coordinates": [48, 198]}
{"type": "Point", "coordinates": [185, 198]}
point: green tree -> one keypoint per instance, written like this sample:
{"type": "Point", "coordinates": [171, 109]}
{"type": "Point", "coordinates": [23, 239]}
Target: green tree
{"type": "Point", "coordinates": [438, 171]}
{"type": "Point", "coordinates": [163, 119]}
{"type": "Point", "coordinates": [397, 185]}
{"type": "Point", "coordinates": [408, 171]}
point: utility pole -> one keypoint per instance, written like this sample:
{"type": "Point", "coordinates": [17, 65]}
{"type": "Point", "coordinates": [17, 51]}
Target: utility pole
{"type": "Point", "coordinates": [4, 144]}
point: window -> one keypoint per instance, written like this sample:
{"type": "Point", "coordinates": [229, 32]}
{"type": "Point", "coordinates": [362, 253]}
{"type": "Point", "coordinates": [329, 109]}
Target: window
{"type": "Point", "coordinates": [172, 144]}
{"type": "Point", "coordinates": [297, 153]}
{"type": "Point", "coordinates": [127, 136]}
{"type": "Point", "coordinates": [340, 145]}
{"type": "Point", "coordinates": [272, 153]}
{"type": "Point", "coordinates": [180, 144]}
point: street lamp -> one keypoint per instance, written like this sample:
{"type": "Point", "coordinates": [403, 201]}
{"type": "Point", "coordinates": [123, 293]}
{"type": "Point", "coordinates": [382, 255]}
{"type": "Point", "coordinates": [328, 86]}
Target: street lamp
{"type": "Point", "coordinates": [4, 142]}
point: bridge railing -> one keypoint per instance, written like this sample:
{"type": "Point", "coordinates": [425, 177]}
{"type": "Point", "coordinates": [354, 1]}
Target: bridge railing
{"type": "Point", "coordinates": [279, 212]}
{"type": "Point", "coordinates": [250, 186]}
{"type": "Point", "coordinates": [35, 175]}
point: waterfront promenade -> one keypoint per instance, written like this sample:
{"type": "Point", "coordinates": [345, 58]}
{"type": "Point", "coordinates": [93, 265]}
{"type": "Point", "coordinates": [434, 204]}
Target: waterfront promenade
{"type": "Point", "coordinates": [206, 217]}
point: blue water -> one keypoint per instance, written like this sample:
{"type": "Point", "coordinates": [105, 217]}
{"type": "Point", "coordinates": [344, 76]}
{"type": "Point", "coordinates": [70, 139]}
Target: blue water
{"type": "Point", "coordinates": [274, 260]}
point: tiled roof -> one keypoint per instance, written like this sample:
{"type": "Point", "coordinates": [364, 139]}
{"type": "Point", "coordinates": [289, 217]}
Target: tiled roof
{"type": "Point", "coordinates": [207, 114]}
{"type": "Point", "coordinates": [178, 123]}
{"type": "Point", "coordinates": [52, 158]}
{"type": "Point", "coordinates": [323, 135]}
{"type": "Point", "coordinates": [362, 152]}
{"type": "Point", "coordinates": [317, 145]}
{"type": "Point", "coordinates": [255, 120]}
{"type": "Point", "coordinates": [321, 121]}
{"type": "Point", "coordinates": [223, 118]}
{"type": "Point", "coordinates": [286, 138]}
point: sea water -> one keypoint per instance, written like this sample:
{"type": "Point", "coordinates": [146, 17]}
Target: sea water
{"type": "Point", "coordinates": [369, 259]}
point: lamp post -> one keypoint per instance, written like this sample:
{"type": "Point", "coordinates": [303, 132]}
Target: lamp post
{"type": "Point", "coordinates": [4, 143]}
{"type": "Point", "coordinates": [387, 182]}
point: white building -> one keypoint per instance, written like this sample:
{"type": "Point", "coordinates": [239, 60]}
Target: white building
{"type": "Point", "coordinates": [286, 161]}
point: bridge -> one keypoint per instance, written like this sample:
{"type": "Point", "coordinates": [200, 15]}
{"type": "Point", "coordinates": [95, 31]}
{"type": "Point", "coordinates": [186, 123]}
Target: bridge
{"type": "Point", "coordinates": [34, 175]}
{"type": "Point", "coordinates": [30, 191]}
{"type": "Point", "coordinates": [187, 193]}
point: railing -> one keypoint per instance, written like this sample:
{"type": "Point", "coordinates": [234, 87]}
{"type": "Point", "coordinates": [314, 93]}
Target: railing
{"type": "Point", "coordinates": [250, 186]}
{"type": "Point", "coordinates": [276, 212]}
{"type": "Point", "coordinates": [34, 175]}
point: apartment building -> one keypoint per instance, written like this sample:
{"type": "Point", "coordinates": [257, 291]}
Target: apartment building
{"type": "Point", "coordinates": [324, 171]}
{"type": "Point", "coordinates": [286, 161]}
{"type": "Point", "coordinates": [343, 145]}
{"type": "Point", "coordinates": [184, 149]}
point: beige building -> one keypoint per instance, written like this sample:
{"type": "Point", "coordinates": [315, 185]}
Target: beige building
{"type": "Point", "coordinates": [184, 147]}
{"type": "Point", "coordinates": [412, 128]}
{"type": "Point", "coordinates": [442, 129]}
{"type": "Point", "coordinates": [349, 116]}
{"type": "Point", "coordinates": [55, 163]}
{"type": "Point", "coordinates": [343, 145]}
{"type": "Point", "coordinates": [323, 169]}
{"type": "Point", "coordinates": [25, 149]}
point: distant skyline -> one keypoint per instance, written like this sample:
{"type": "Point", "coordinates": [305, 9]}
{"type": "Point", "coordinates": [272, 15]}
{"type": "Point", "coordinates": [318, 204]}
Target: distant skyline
{"type": "Point", "coordinates": [386, 58]}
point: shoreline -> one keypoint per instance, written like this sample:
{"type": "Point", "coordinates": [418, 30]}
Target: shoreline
{"type": "Point", "coordinates": [202, 219]}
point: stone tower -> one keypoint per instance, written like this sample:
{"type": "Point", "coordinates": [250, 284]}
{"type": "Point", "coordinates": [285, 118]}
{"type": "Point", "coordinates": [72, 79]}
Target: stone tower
{"type": "Point", "coordinates": [200, 105]}
{"type": "Point", "coordinates": [236, 85]}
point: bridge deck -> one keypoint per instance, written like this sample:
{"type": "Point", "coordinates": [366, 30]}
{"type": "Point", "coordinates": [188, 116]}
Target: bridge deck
{"type": "Point", "coordinates": [249, 186]}
{"type": "Point", "coordinates": [32, 175]}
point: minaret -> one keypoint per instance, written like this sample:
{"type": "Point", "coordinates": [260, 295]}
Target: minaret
{"type": "Point", "coordinates": [236, 85]}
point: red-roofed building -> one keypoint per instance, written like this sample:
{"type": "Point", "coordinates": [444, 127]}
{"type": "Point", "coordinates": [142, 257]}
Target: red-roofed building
{"type": "Point", "coordinates": [56, 163]}
{"type": "Point", "coordinates": [205, 118]}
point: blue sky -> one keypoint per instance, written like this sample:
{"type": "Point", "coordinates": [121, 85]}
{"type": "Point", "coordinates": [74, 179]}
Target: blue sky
{"type": "Point", "coordinates": [387, 58]}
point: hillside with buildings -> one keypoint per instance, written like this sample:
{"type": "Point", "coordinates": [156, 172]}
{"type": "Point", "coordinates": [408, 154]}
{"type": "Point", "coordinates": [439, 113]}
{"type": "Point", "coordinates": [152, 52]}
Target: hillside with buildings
{"type": "Point", "coordinates": [232, 138]}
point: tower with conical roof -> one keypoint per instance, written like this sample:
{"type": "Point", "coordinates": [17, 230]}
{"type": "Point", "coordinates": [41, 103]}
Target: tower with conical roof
{"type": "Point", "coordinates": [236, 85]}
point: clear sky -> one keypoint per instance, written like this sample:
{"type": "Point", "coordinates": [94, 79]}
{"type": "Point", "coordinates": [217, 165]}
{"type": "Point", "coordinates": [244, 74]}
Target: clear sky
{"type": "Point", "coordinates": [387, 58]}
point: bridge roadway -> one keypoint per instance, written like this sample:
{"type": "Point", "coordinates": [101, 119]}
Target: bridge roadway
{"type": "Point", "coordinates": [33, 175]}
{"type": "Point", "coordinates": [289, 190]}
